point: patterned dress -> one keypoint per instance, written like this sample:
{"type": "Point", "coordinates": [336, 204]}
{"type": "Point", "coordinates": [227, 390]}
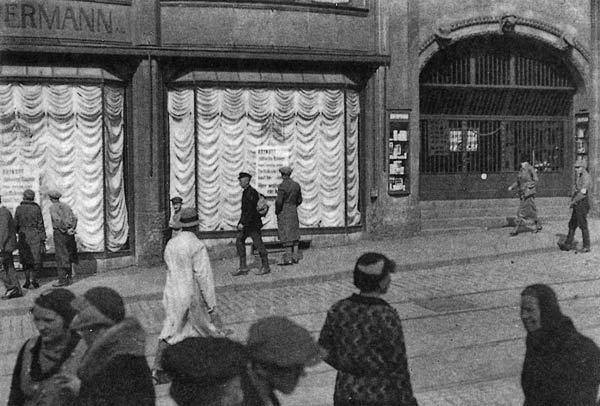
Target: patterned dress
{"type": "Point", "coordinates": [365, 343]}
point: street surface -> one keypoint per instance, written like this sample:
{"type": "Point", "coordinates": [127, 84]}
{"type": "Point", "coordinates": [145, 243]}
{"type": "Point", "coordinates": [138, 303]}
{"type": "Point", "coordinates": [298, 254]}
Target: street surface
{"type": "Point", "coordinates": [461, 322]}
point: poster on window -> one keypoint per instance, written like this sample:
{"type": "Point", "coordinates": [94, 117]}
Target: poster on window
{"type": "Point", "coordinates": [438, 140]}
{"type": "Point", "coordinates": [268, 161]}
{"type": "Point", "coordinates": [14, 180]}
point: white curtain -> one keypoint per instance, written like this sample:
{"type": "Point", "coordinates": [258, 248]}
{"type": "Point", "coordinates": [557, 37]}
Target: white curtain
{"type": "Point", "coordinates": [64, 125]}
{"type": "Point", "coordinates": [221, 128]}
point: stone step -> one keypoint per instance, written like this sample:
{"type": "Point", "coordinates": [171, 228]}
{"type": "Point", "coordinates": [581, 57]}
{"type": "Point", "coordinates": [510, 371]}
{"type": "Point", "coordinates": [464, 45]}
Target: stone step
{"type": "Point", "coordinates": [484, 203]}
{"type": "Point", "coordinates": [466, 223]}
{"type": "Point", "coordinates": [507, 211]}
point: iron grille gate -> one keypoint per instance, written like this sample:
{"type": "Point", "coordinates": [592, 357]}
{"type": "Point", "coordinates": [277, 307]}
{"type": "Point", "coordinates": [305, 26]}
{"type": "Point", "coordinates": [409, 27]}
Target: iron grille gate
{"type": "Point", "coordinates": [491, 145]}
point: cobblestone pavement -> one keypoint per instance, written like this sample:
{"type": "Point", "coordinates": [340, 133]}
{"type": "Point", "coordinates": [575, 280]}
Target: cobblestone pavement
{"type": "Point", "coordinates": [464, 337]}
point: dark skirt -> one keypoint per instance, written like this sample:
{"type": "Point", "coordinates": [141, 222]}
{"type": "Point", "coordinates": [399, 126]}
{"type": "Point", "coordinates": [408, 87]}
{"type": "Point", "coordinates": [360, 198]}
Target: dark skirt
{"type": "Point", "coordinates": [65, 249]}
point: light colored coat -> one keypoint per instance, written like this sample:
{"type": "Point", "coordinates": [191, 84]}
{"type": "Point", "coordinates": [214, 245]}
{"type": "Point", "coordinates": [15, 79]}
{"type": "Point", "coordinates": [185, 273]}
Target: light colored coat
{"type": "Point", "coordinates": [289, 197]}
{"type": "Point", "coordinates": [189, 290]}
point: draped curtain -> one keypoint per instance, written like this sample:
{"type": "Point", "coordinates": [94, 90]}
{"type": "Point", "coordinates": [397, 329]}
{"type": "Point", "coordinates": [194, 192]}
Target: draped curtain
{"type": "Point", "coordinates": [76, 141]}
{"type": "Point", "coordinates": [214, 133]}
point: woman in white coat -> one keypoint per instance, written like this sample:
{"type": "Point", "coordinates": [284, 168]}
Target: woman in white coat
{"type": "Point", "coordinates": [189, 297]}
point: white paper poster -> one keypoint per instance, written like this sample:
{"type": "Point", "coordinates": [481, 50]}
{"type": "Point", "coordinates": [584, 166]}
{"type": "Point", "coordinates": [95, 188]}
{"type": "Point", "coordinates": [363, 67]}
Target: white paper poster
{"type": "Point", "coordinates": [268, 161]}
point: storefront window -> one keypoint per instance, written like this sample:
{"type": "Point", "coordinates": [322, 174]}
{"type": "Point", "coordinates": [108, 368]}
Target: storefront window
{"type": "Point", "coordinates": [215, 133]}
{"type": "Point", "coordinates": [71, 138]}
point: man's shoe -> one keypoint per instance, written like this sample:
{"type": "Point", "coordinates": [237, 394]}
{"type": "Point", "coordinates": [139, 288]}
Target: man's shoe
{"type": "Point", "coordinates": [240, 272]}
{"type": "Point", "coordinates": [262, 271]}
{"type": "Point", "coordinates": [584, 250]}
{"type": "Point", "coordinates": [565, 247]}
{"type": "Point", "coordinates": [513, 233]}
{"type": "Point", "coordinates": [27, 285]}
{"type": "Point", "coordinates": [12, 293]}
{"type": "Point", "coordinates": [35, 285]}
{"type": "Point", "coordinates": [537, 229]}
{"type": "Point", "coordinates": [286, 262]}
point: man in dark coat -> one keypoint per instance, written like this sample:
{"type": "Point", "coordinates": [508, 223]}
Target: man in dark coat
{"type": "Point", "coordinates": [64, 223]}
{"type": "Point", "coordinates": [8, 243]}
{"type": "Point", "coordinates": [289, 197]}
{"type": "Point", "coordinates": [249, 226]}
{"type": "Point", "coordinates": [32, 236]}
{"type": "Point", "coordinates": [580, 206]}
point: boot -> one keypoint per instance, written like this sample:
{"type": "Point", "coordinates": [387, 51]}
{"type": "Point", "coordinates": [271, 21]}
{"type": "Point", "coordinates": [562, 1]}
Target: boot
{"type": "Point", "coordinates": [538, 226]}
{"type": "Point", "coordinates": [515, 231]}
{"type": "Point", "coordinates": [34, 275]}
{"type": "Point", "coordinates": [264, 269]}
{"type": "Point", "coordinates": [585, 235]}
{"type": "Point", "coordinates": [287, 257]}
{"type": "Point", "coordinates": [64, 277]}
{"type": "Point", "coordinates": [296, 255]}
{"type": "Point", "coordinates": [27, 283]}
{"type": "Point", "coordinates": [243, 269]}
{"type": "Point", "coordinates": [567, 245]}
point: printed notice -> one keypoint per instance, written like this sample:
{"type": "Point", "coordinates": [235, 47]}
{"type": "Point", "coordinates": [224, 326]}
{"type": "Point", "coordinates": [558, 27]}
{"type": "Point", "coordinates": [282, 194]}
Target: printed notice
{"type": "Point", "coordinates": [268, 161]}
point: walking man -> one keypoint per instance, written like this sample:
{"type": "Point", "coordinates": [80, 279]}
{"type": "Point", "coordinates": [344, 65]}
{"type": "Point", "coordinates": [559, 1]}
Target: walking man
{"type": "Point", "coordinates": [289, 197]}
{"type": "Point", "coordinates": [8, 243]}
{"type": "Point", "coordinates": [189, 297]}
{"type": "Point", "coordinates": [249, 226]}
{"type": "Point", "coordinates": [64, 223]}
{"type": "Point", "coordinates": [29, 223]}
{"type": "Point", "coordinates": [526, 183]}
{"type": "Point", "coordinates": [177, 204]}
{"type": "Point", "coordinates": [580, 206]}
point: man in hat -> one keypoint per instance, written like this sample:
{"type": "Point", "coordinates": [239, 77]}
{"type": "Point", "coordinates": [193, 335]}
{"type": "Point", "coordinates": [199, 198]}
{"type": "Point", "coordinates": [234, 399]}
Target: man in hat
{"type": "Point", "coordinates": [32, 237]}
{"type": "Point", "coordinates": [64, 223]}
{"type": "Point", "coordinates": [218, 371]}
{"type": "Point", "coordinates": [580, 206]}
{"type": "Point", "coordinates": [177, 204]}
{"type": "Point", "coordinates": [250, 225]}
{"type": "Point", "coordinates": [289, 197]}
{"type": "Point", "coordinates": [189, 296]}
{"type": "Point", "coordinates": [8, 243]}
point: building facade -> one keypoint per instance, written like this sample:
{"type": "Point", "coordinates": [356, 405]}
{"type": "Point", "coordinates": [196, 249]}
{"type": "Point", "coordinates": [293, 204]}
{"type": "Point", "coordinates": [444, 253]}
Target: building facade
{"type": "Point", "coordinates": [377, 105]}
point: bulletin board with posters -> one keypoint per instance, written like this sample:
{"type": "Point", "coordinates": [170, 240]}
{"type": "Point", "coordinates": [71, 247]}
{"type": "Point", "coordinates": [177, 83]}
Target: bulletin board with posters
{"type": "Point", "coordinates": [398, 154]}
{"type": "Point", "coordinates": [582, 120]}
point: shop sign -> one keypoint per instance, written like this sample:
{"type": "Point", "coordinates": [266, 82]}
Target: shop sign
{"type": "Point", "coordinates": [63, 19]}
{"type": "Point", "coordinates": [268, 161]}
{"type": "Point", "coordinates": [14, 180]}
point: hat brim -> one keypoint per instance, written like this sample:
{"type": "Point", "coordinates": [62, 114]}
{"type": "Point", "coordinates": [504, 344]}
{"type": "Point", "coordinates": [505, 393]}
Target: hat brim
{"type": "Point", "coordinates": [179, 224]}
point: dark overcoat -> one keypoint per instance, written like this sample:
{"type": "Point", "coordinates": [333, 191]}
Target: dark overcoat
{"type": "Point", "coordinates": [31, 231]}
{"type": "Point", "coordinates": [250, 218]}
{"type": "Point", "coordinates": [289, 197]}
{"type": "Point", "coordinates": [8, 232]}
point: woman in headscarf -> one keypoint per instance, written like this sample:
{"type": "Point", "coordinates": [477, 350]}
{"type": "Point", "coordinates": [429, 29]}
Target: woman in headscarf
{"type": "Point", "coordinates": [364, 341]}
{"type": "Point", "coordinates": [562, 367]}
{"type": "Point", "coordinates": [45, 358]}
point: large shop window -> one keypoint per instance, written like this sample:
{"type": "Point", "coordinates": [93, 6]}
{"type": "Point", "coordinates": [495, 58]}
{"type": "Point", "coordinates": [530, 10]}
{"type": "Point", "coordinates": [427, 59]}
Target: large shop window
{"type": "Point", "coordinates": [215, 133]}
{"type": "Point", "coordinates": [69, 137]}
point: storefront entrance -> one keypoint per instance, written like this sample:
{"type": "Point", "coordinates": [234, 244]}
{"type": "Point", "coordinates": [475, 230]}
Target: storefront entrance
{"type": "Point", "coordinates": [486, 104]}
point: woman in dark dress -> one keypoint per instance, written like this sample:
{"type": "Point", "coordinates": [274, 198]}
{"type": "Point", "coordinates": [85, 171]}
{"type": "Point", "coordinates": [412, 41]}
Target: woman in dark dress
{"type": "Point", "coordinates": [365, 343]}
{"type": "Point", "coordinates": [561, 367]}
{"type": "Point", "coordinates": [45, 358]}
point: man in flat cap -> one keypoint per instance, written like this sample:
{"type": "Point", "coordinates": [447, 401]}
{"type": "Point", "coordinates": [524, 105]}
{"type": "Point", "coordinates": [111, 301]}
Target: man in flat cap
{"type": "Point", "coordinates": [250, 225]}
{"type": "Point", "coordinates": [580, 206]}
{"type": "Point", "coordinates": [289, 197]}
{"type": "Point", "coordinates": [32, 237]}
{"type": "Point", "coordinates": [8, 243]}
{"type": "Point", "coordinates": [64, 223]}
{"type": "Point", "coordinates": [177, 204]}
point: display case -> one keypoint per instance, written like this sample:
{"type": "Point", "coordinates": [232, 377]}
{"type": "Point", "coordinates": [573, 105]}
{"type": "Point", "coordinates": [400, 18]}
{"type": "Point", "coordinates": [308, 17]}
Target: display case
{"type": "Point", "coordinates": [581, 137]}
{"type": "Point", "coordinates": [397, 153]}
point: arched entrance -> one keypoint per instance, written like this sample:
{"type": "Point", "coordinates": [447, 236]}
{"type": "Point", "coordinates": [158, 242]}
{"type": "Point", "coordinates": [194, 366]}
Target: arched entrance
{"type": "Point", "coordinates": [485, 102]}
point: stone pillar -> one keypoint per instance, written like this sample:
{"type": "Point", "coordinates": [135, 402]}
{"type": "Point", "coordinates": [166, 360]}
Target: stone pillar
{"type": "Point", "coordinates": [148, 141]}
{"type": "Point", "coordinates": [594, 144]}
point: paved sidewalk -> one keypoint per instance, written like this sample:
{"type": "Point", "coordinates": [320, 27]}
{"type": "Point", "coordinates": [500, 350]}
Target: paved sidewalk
{"type": "Point", "coordinates": [332, 263]}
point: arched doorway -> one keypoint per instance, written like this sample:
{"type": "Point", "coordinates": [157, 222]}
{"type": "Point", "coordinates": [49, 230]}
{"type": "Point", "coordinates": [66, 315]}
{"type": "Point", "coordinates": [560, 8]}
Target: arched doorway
{"type": "Point", "coordinates": [485, 102]}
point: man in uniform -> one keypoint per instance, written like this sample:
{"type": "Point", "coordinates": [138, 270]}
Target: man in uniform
{"type": "Point", "coordinates": [8, 243]}
{"type": "Point", "coordinates": [249, 226]}
{"type": "Point", "coordinates": [581, 206]}
{"type": "Point", "coordinates": [32, 236]}
{"type": "Point", "coordinates": [64, 223]}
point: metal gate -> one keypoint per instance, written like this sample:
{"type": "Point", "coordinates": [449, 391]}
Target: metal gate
{"type": "Point", "coordinates": [484, 105]}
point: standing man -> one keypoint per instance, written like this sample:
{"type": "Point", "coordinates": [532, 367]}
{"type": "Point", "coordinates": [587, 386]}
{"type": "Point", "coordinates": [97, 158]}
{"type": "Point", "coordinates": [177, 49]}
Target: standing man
{"type": "Point", "coordinates": [581, 206]}
{"type": "Point", "coordinates": [526, 183]}
{"type": "Point", "coordinates": [289, 197]}
{"type": "Point", "coordinates": [8, 243]}
{"type": "Point", "coordinates": [249, 226]}
{"type": "Point", "coordinates": [32, 237]}
{"type": "Point", "coordinates": [189, 297]}
{"type": "Point", "coordinates": [176, 203]}
{"type": "Point", "coordinates": [64, 223]}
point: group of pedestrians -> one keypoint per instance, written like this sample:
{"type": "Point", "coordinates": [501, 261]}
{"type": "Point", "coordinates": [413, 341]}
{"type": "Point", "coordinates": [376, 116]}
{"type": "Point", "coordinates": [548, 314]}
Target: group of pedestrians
{"type": "Point", "coordinates": [526, 186]}
{"type": "Point", "coordinates": [27, 233]}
